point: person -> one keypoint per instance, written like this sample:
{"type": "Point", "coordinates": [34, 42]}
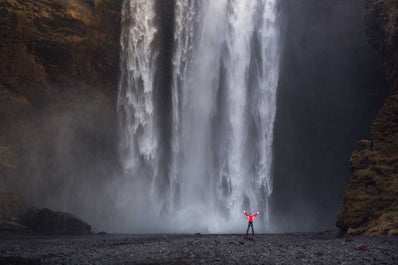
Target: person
{"type": "Point", "coordinates": [250, 218]}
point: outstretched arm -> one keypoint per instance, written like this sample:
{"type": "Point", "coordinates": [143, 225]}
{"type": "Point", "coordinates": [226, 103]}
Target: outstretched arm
{"type": "Point", "coordinates": [245, 213]}
{"type": "Point", "coordinates": [257, 213]}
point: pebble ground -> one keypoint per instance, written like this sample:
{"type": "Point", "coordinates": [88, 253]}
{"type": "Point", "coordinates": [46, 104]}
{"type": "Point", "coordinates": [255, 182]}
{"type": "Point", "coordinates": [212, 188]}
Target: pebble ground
{"type": "Point", "coordinates": [295, 248]}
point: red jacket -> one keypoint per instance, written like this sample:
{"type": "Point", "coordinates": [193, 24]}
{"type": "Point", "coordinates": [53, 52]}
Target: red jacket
{"type": "Point", "coordinates": [250, 217]}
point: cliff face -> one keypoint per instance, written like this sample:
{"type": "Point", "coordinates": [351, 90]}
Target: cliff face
{"type": "Point", "coordinates": [58, 41]}
{"type": "Point", "coordinates": [58, 82]}
{"type": "Point", "coordinates": [331, 88]}
{"type": "Point", "coordinates": [371, 198]}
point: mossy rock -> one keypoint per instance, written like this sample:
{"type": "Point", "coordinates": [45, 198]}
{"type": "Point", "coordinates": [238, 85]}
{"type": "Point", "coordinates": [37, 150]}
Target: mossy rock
{"type": "Point", "coordinates": [371, 198]}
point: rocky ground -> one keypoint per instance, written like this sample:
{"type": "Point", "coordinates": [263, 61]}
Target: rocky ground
{"type": "Point", "coordinates": [297, 248]}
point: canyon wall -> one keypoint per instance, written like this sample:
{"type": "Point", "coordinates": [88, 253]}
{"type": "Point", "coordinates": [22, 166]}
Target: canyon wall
{"type": "Point", "coordinates": [371, 198]}
{"type": "Point", "coordinates": [331, 88]}
{"type": "Point", "coordinates": [59, 65]}
{"type": "Point", "coordinates": [58, 86]}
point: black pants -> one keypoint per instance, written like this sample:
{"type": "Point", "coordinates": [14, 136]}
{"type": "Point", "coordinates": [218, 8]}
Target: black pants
{"type": "Point", "coordinates": [248, 227]}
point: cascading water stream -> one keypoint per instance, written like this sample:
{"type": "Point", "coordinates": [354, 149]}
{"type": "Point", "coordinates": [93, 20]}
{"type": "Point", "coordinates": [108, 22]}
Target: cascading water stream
{"type": "Point", "coordinates": [225, 66]}
{"type": "Point", "coordinates": [138, 65]}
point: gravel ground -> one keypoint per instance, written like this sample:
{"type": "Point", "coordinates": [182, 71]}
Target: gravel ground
{"type": "Point", "coordinates": [295, 248]}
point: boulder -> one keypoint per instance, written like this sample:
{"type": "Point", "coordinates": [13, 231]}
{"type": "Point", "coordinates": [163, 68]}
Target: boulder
{"type": "Point", "coordinates": [52, 222]}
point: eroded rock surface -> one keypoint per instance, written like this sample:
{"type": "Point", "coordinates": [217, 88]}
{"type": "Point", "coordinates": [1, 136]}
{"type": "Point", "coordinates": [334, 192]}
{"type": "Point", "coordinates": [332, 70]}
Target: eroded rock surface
{"type": "Point", "coordinates": [371, 198]}
{"type": "Point", "coordinates": [58, 83]}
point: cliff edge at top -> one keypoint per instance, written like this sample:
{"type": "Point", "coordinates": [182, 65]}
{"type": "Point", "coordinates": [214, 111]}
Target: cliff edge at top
{"type": "Point", "coordinates": [371, 198]}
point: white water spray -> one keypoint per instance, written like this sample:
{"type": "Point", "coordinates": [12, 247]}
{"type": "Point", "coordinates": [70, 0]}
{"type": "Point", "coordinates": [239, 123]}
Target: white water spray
{"type": "Point", "coordinates": [223, 104]}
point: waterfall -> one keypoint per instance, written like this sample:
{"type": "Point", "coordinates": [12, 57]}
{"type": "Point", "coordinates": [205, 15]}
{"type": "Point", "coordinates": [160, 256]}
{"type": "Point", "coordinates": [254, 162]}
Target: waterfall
{"type": "Point", "coordinates": [224, 79]}
{"type": "Point", "coordinates": [135, 105]}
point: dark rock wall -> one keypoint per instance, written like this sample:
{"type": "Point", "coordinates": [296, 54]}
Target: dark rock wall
{"type": "Point", "coordinates": [332, 85]}
{"type": "Point", "coordinates": [371, 198]}
{"type": "Point", "coordinates": [58, 87]}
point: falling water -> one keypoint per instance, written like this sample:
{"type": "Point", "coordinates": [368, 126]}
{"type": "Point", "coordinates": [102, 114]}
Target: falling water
{"type": "Point", "coordinates": [223, 86]}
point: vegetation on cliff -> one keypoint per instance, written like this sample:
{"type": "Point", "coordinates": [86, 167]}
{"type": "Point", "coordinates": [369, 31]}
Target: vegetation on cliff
{"type": "Point", "coordinates": [331, 88]}
{"type": "Point", "coordinates": [371, 198]}
{"type": "Point", "coordinates": [58, 41]}
{"type": "Point", "coordinates": [58, 82]}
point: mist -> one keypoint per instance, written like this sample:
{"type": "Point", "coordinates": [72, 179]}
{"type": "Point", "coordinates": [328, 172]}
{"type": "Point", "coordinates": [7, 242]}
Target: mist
{"type": "Point", "coordinates": [331, 87]}
{"type": "Point", "coordinates": [70, 158]}
{"type": "Point", "coordinates": [198, 152]}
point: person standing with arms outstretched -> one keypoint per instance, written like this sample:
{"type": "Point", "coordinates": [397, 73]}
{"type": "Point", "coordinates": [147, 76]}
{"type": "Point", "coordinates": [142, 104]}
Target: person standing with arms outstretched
{"type": "Point", "coordinates": [250, 218]}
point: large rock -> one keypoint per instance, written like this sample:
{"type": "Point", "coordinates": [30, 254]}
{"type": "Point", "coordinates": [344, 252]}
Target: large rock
{"type": "Point", "coordinates": [371, 198]}
{"type": "Point", "coordinates": [16, 216]}
{"type": "Point", "coordinates": [51, 222]}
